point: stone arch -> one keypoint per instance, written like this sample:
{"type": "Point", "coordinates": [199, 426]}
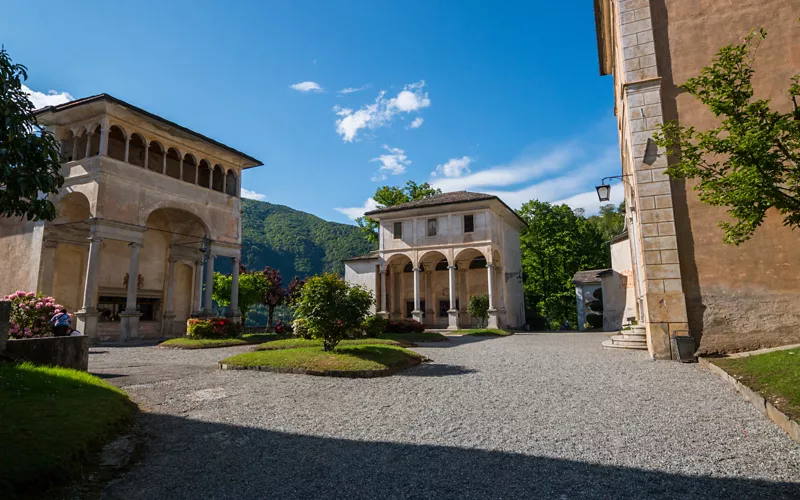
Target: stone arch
{"type": "Point", "coordinates": [433, 257]}
{"type": "Point", "coordinates": [174, 159]}
{"type": "Point", "coordinates": [136, 150]}
{"type": "Point", "coordinates": [94, 139]}
{"type": "Point", "coordinates": [67, 145]}
{"type": "Point", "coordinates": [155, 157]}
{"type": "Point", "coordinates": [83, 135]}
{"type": "Point", "coordinates": [116, 142]}
{"type": "Point", "coordinates": [73, 207]}
{"type": "Point", "coordinates": [204, 174]}
{"type": "Point", "coordinates": [186, 225]}
{"type": "Point", "coordinates": [230, 183]}
{"type": "Point", "coordinates": [189, 169]}
{"type": "Point", "coordinates": [217, 179]}
{"type": "Point", "coordinates": [398, 259]}
{"type": "Point", "coordinates": [468, 254]}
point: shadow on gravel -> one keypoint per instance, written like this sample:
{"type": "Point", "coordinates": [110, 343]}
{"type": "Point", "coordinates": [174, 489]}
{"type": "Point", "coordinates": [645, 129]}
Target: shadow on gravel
{"type": "Point", "coordinates": [194, 459]}
{"type": "Point", "coordinates": [435, 370]}
{"type": "Point", "coordinates": [457, 340]}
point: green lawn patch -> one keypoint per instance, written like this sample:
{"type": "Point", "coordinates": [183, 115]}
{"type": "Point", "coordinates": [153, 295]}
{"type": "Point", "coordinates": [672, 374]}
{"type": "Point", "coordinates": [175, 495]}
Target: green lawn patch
{"type": "Point", "coordinates": [482, 332]}
{"type": "Point", "coordinates": [776, 375]}
{"type": "Point", "coordinates": [51, 419]}
{"type": "Point", "coordinates": [345, 359]}
{"type": "Point", "coordinates": [188, 343]}
{"type": "Point", "coordinates": [293, 343]}
{"type": "Point", "coordinates": [414, 337]}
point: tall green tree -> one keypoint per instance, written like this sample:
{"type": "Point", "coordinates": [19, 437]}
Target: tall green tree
{"type": "Point", "coordinates": [610, 221]}
{"type": "Point", "coordinates": [751, 161]}
{"type": "Point", "coordinates": [557, 244]}
{"type": "Point", "coordinates": [274, 293]}
{"type": "Point", "coordinates": [252, 288]}
{"type": "Point", "coordinates": [387, 196]}
{"type": "Point", "coordinates": [29, 163]}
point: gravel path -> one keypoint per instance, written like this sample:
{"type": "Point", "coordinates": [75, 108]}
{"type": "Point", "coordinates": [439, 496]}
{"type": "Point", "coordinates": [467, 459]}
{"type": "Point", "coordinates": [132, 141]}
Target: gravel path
{"type": "Point", "coordinates": [532, 415]}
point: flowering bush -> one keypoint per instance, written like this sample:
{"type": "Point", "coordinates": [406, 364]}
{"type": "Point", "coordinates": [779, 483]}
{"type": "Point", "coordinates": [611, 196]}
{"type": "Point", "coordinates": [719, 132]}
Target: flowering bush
{"type": "Point", "coordinates": [404, 326]}
{"type": "Point", "coordinates": [212, 328]}
{"type": "Point", "coordinates": [30, 314]}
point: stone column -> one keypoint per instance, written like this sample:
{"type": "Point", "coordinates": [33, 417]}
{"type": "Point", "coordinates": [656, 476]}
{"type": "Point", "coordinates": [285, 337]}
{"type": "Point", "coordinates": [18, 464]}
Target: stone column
{"type": "Point", "coordinates": [452, 313]}
{"type": "Point", "coordinates": [383, 312]}
{"type": "Point", "coordinates": [87, 315]}
{"type": "Point", "coordinates": [197, 302]}
{"type": "Point", "coordinates": [462, 294]}
{"type": "Point", "coordinates": [492, 323]}
{"type": "Point", "coordinates": [208, 306]}
{"type": "Point", "coordinates": [88, 144]}
{"type": "Point", "coordinates": [429, 298]}
{"type": "Point", "coordinates": [416, 313]}
{"type": "Point", "coordinates": [146, 153]}
{"type": "Point", "coordinates": [235, 314]}
{"type": "Point", "coordinates": [397, 308]}
{"type": "Point", "coordinates": [48, 266]}
{"type": "Point", "coordinates": [75, 148]}
{"type": "Point", "coordinates": [169, 308]}
{"type": "Point", "coordinates": [127, 148]}
{"type": "Point", "coordinates": [164, 162]}
{"type": "Point", "coordinates": [129, 318]}
{"type": "Point", "coordinates": [104, 130]}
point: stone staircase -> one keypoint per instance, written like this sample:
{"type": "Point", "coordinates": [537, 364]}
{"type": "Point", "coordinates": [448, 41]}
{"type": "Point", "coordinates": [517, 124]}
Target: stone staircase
{"type": "Point", "coordinates": [635, 338]}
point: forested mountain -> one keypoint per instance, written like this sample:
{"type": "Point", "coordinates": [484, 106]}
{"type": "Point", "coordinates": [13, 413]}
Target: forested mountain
{"type": "Point", "coordinates": [296, 243]}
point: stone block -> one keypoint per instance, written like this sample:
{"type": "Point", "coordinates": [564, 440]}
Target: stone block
{"type": "Point", "coordinates": [679, 329]}
{"type": "Point", "coordinates": [636, 113]}
{"type": "Point", "coordinates": [649, 230]}
{"type": "Point", "coordinates": [672, 285]}
{"type": "Point", "coordinates": [663, 271]}
{"type": "Point", "coordinates": [652, 97]}
{"type": "Point", "coordinates": [635, 99]}
{"type": "Point", "coordinates": [667, 307]}
{"type": "Point", "coordinates": [644, 36]}
{"type": "Point", "coordinates": [659, 174]}
{"type": "Point", "coordinates": [643, 13]}
{"type": "Point", "coordinates": [666, 228]}
{"type": "Point", "coordinates": [654, 122]}
{"type": "Point", "coordinates": [639, 149]}
{"type": "Point", "coordinates": [658, 342]}
{"type": "Point", "coordinates": [641, 74]}
{"type": "Point", "coordinates": [632, 5]}
{"type": "Point", "coordinates": [640, 137]}
{"type": "Point", "coordinates": [643, 176]}
{"type": "Point", "coordinates": [654, 188]}
{"type": "Point", "coordinates": [660, 243]}
{"type": "Point", "coordinates": [655, 286]}
{"type": "Point", "coordinates": [648, 61]}
{"type": "Point", "coordinates": [632, 64]}
{"type": "Point", "coordinates": [627, 17]}
{"type": "Point", "coordinates": [669, 257]}
{"type": "Point", "coordinates": [629, 40]}
{"type": "Point", "coordinates": [639, 50]}
{"type": "Point", "coordinates": [652, 110]}
{"type": "Point", "coordinates": [637, 125]}
{"type": "Point", "coordinates": [647, 202]}
{"type": "Point", "coordinates": [656, 215]}
{"type": "Point", "coordinates": [663, 201]}
{"type": "Point", "coordinates": [652, 257]}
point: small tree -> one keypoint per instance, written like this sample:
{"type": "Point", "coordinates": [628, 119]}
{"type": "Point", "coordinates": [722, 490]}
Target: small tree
{"type": "Point", "coordinates": [478, 308]}
{"type": "Point", "coordinates": [29, 163]}
{"type": "Point", "coordinates": [293, 291]}
{"type": "Point", "coordinates": [252, 287]}
{"type": "Point", "coordinates": [330, 308]}
{"type": "Point", "coordinates": [274, 294]}
{"type": "Point", "coordinates": [751, 161]}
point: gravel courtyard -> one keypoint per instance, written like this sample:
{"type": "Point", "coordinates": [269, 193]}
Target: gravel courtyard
{"type": "Point", "coordinates": [527, 416]}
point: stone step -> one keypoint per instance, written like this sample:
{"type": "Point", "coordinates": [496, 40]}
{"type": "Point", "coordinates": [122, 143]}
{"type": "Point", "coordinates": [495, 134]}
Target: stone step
{"type": "Point", "coordinates": [611, 344]}
{"type": "Point", "coordinates": [638, 329]}
{"type": "Point", "coordinates": [629, 336]}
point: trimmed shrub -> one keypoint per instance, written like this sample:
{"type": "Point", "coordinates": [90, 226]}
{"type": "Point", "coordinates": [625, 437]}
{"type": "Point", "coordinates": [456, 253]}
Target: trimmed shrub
{"type": "Point", "coordinates": [30, 314]}
{"type": "Point", "coordinates": [404, 326]}
{"type": "Point", "coordinates": [212, 328]}
{"type": "Point", "coordinates": [478, 308]}
{"type": "Point", "coordinates": [300, 329]}
{"type": "Point", "coordinates": [374, 326]}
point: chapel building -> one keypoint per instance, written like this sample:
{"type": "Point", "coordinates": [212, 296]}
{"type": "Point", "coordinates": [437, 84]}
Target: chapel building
{"type": "Point", "coordinates": [436, 253]}
{"type": "Point", "coordinates": [146, 209]}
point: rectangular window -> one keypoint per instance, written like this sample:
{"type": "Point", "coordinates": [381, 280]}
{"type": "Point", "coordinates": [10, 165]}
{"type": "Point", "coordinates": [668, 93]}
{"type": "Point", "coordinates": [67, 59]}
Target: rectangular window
{"type": "Point", "coordinates": [432, 227]}
{"type": "Point", "coordinates": [398, 230]}
{"type": "Point", "coordinates": [469, 223]}
{"type": "Point", "coordinates": [444, 307]}
{"type": "Point", "coordinates": [410, 308]}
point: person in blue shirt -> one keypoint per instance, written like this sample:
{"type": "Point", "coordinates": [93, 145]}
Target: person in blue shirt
{"type": "Point", "coordinates": [61, 323]}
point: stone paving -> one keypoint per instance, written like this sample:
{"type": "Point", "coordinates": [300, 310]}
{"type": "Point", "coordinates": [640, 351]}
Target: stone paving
{"type": "Point", "coordinates": [527, 416]}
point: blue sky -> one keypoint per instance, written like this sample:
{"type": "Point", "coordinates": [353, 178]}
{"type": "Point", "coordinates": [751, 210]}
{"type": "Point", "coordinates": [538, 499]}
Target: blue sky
{"type": "Point", "coordinates": [339, 98]}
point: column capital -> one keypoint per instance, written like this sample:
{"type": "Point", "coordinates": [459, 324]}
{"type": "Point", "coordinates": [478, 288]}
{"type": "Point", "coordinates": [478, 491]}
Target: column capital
{"type": "Point", "coordinates": [489, 265]}
{"type": "Point", "coordinates": [51, 243]}
{"type": "Point", "coordinates": [133, 244]}
{"type": "Point", "coordinates": [452, 267]}
{"type": "Point", "coordinates": [95, 238]}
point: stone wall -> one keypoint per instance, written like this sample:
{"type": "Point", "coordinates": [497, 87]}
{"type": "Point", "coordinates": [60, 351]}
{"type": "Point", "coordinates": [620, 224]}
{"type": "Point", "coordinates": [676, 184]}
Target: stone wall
{"type": "Point", "coordinates": [68, 352]}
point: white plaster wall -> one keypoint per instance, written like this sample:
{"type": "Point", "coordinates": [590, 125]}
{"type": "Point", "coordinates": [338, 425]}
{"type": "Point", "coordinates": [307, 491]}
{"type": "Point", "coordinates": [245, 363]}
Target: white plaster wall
{"type": "Point", "coordinates": [619, 297]}
{"type": "Point", "coordinates": [362, 272]}
{"type": "Point", "coordinates": [69, 275]}
{"type": "Point", "coordinates": [20, 246]}
{"type": "Point", "coordinates": [512, 263]}
{"type": "Point", "coordinates": [450, 230]}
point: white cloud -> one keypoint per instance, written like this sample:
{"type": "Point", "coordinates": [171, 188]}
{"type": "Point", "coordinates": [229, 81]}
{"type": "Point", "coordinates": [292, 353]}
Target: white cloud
{"type": "Point", "coordinates": [417, 123]}
{"type": "Point", "coordinates": [356, 212]}
{"type": "Point", "coordinates": [591, 203]}
{"type": "Point", "coordinates": [412, 98]}
{"type": "Point", "coordinates": [455, 167]}
{"type": "Point", "coordinates": [252, 195]}
{"type": "Point", "coordinates": [350, 90]}
{"type": "Point", "coordinates": [306, 87]}
{"type": "Point", "coordinates": [42, 100]}
{"type": "Point", "coordinates": [394, 162]}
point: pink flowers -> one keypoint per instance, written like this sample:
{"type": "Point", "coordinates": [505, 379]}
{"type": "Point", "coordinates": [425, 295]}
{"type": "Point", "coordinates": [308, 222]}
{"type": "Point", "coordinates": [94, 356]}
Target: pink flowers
{"type": "Point", "coordinates": [30, 314]}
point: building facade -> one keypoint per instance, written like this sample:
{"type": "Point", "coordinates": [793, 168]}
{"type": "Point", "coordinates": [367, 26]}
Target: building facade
{"type": "Point", "coordinates": [436, 253]}
{"type": "Point", "coordinates": [146, 209]}
{"type": "Point", "coordinates": [686, 281]}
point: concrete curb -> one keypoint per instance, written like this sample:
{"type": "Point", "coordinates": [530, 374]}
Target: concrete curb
{"type": "Point", "coordinates": [324, 373]}
{"type": "Point", "coordinates": [766, 408]}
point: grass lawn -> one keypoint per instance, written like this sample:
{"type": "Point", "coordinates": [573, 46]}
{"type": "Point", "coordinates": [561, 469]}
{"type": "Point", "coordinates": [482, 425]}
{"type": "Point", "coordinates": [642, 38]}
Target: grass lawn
{"type": "Point", "coordinates": [344, 358]}
{"type": "Point", "coordinates": [414, 337]}
{"type": "Point", "coordinates": [50, 420]}
{"type": "Point", "coordinates": [482, 332]}
{"type": "Point", "coordinates": [776, 375]}
{"type": "Point", "coordinates": [293, 343]}
{"type": "Point", "coordinates": [187, 343]}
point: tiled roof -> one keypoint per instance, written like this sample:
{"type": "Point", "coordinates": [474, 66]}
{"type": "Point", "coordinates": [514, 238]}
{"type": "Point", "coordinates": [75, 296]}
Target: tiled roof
{"type": "Point", "coordinates": [436, 200]}
{"type": "Point", "coordinates": [591, 276]}
{"type": "Point", "coordinates": [367, 256]}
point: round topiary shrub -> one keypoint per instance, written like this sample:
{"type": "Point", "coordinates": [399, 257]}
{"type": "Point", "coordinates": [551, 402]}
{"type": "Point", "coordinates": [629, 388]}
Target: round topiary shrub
{"type": "Point", "coordinates": [404, 326]}
{"type": "Point", "coordinates": [374, 326]}
{"type": "Point", "coordinates": [212, 328]}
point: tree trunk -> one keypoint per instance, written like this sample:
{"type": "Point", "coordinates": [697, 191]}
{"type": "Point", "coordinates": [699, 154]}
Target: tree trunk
{"type": "Point", "coordinates": [271, 310]}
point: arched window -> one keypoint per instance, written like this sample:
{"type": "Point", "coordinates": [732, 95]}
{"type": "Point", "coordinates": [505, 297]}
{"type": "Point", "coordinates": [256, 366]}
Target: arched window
{"type": "Point", "coordinates": [136, 150]}
{"type": "Point", "coordinates": [116, 143]}
{"type": "Point", "coordinates": [155, 157]}
{"type": "Point", "coordinates": [203, 174]}
{"type": "Point", "coordinates": [189, 169]}
{"type": "Point", "coordinates": [478, 263]}
{"type": "Point", "coordinates": [173, 163]}
{"type": "Point", "coordinates": [67, 145]}
{"type": "Point", "coordinates": [217, 180]}
{"type": "Point", "coordinates": [230, 183]}
{"type": "Point", "coordinates": [442, 265]}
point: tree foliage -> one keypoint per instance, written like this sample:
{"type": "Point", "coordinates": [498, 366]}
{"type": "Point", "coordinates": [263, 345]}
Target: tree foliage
{"type": "Point", "coordinates": [610, 221]}
{"type": "Point", "coordinates": [29, 163]}
{"type": "Point", "coordinates": [331, 308]}
{"type": "Point", "coordinates": [557, 244]}
{"type": "Point", "coordinates": [388, 196]}
{"type": "Point", "coordinates": [478, 307]}
{"type": "Point", "coordinates": [751, 161]}
{"type": "Point", "coordinates": [252, 287]}
{"type": "Point", "coordinates": [274, 293]}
